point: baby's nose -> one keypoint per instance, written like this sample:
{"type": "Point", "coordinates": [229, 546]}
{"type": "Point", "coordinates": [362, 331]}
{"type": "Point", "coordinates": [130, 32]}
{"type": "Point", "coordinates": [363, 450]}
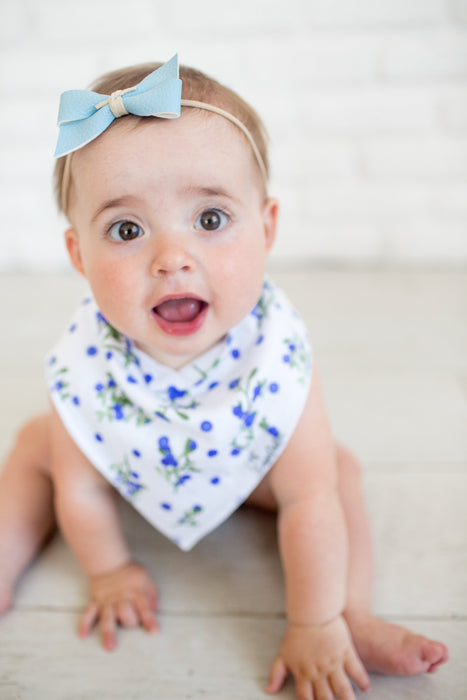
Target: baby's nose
{"type": "Point", "coordinates": [171, 256]}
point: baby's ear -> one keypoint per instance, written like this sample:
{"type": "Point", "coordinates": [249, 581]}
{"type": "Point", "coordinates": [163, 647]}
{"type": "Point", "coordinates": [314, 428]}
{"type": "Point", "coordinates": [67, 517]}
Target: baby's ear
{"type": "Point", "coordinates": [74, 250]}
{"type": "Point", "coordinates": [270, 217]}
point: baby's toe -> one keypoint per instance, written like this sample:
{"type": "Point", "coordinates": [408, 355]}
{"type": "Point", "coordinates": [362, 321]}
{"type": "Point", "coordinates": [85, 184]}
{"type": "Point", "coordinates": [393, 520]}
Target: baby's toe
{"type": "Point", "coordinates": [434, 654]}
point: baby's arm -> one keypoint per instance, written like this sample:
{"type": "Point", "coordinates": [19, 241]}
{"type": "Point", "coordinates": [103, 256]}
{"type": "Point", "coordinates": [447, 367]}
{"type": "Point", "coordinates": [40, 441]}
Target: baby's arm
{"type": "Point", "coordinates": [317, 647]}
{"type": "Point", "coordinates": [121, 591]}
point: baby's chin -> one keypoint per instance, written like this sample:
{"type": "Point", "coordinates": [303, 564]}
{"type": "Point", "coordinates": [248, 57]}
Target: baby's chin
{"type": "Point", "coordinates": [180, 358]}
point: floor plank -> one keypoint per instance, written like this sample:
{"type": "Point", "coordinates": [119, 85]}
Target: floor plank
{"type": "Point", "coordinates": [392, 346]}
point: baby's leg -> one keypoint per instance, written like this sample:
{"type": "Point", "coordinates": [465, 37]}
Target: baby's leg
{"type": "Point", "coordinates": [26, 504]}
{"type": "Point", "coordinates": [383, 647]}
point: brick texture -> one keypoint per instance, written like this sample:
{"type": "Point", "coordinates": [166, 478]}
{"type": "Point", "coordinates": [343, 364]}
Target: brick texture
{"type": "Point", "coordinates": [365, 103]}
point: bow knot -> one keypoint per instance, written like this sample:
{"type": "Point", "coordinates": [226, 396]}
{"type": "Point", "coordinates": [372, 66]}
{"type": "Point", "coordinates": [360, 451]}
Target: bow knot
{"type": "Point", "coordinates": [81, 120]}
{"type": "Point", "coordinates": [115, 102]}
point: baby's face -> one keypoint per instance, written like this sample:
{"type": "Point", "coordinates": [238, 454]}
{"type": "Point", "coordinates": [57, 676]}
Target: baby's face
{"type": "Point", "coordinates": [171, 229]}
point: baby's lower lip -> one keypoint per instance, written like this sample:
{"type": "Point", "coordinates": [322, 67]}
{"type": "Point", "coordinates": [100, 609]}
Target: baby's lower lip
{"type": "Point", "coordinates": [182, 327]}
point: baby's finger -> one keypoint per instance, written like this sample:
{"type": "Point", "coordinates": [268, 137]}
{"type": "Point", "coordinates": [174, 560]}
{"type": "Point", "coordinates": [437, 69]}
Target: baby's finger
{"type": "Point", "coordinates": [321, 690]}
{"type": "Point", "coordinates": [145, 611]}
{"type": "Point", "coordinates": [357, 672]}
{"type": "Point", "coordinates": [126, 614]}
{"type": "Point", "coordinates": [304, 690]}
{"type": "Point", "coordinates": [279, 673]}
{"type": "Point", "coordinates": [88, 620]}
{"type": "Point", "coordinates": [341, 686]}
{"type": "Point", "coordinates": [108, 628]}
{"type": "Point", "coordinates": [153, 600]}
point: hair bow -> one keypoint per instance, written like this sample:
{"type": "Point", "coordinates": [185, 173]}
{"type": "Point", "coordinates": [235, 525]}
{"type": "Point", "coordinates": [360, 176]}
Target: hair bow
{"type": "Point", "coordinates": [83, 115]}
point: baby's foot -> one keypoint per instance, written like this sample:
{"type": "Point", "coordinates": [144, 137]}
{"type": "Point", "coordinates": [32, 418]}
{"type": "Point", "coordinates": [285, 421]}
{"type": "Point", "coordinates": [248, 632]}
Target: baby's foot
{"type": "Point", "coordinates": [394, 650]}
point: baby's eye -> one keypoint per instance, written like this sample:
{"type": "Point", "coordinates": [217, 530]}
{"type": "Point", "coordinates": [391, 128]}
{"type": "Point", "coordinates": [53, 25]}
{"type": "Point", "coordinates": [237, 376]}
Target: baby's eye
{"type": "Point", "coordinates": [125, 231]}
{"type": "Point", "coordinates": [211, 220]}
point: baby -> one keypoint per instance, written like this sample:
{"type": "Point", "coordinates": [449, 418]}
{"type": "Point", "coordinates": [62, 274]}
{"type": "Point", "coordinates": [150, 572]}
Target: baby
{"type": "Point", "coordinates": [186, 382]}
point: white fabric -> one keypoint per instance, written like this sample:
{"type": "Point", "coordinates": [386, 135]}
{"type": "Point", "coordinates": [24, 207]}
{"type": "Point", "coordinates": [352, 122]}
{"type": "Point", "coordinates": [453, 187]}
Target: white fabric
{"type": "Point", "coordinates": [185, 447]}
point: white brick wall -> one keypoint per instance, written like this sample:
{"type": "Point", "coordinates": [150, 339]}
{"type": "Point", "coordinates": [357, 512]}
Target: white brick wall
{"type": "Point", "coordinates": [365, 101]}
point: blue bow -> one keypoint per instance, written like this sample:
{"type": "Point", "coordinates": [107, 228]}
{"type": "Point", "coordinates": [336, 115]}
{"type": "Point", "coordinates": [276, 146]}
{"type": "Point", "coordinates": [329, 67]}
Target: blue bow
{"type": "Point", "coordinates": [83, 115]}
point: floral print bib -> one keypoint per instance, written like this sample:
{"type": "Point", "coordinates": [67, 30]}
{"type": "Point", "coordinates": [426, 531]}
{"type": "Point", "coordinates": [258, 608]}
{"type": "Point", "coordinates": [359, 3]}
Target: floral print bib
{"type": "Point", "coordinates": [186, 447]}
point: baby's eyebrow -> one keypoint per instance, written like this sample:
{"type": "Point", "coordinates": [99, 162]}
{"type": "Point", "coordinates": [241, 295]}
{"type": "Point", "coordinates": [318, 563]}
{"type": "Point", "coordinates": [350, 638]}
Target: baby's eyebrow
{"type": "Point", "coordinates": [111, 204]}
{"type": "Point", "coordinates": [209, 192]}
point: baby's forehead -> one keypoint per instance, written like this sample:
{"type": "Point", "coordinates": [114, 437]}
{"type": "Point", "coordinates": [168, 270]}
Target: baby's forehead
{"type": "Point", "coordinates": [195, 133]}
{"type": "Point", "coordinates": [149, 157]}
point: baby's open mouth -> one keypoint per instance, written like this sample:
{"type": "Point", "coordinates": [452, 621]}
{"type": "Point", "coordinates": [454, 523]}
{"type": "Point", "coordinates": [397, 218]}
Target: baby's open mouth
{"type": "Point", "coordinates": [182, 310]}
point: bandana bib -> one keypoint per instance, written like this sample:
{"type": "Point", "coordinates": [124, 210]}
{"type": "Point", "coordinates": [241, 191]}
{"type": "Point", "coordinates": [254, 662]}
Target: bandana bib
{"type": "Point", "coordinates": [185, 447]}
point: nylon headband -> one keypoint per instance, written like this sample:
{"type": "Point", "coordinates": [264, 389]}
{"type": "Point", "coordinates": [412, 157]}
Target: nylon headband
{"type": "Point", "coordinates": [66, 177]}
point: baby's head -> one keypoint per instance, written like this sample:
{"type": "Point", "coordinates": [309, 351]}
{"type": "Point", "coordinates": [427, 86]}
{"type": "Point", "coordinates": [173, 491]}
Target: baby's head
{"type": "Point", "coordinates": [170, 222]}
{"type": "Point", "coordinates": [196, 86]}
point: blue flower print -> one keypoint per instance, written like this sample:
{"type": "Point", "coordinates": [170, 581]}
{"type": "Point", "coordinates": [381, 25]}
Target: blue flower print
{"type": "Point", "coordinates": [116, 405]}
{"type": "Point", "coordinates": [271, 429]}
{"type": "Point", "coordinates": [190, 516]}
{"type": "Point", "coordinates": [169, 460]}
{"type": "Point", "coordinates": [206, 373]}
{"type": "Point", "coordinates": [101, 318]}
{"type": "Point", "coordinates": [238, 411]}
{"type": "Point", "coordinates": [257, 391]}
{"type": "Point", "coordinates": [243, 410]}
{"type": "Point", "coordinates": [164, 444]}
{"type": "Point", "coordinates": [206, 426]}
{"type": "Point", "coordinates": [267, 299]}
{"type": "Point", "coordinates": [249, 420]}
{"type": "Point", "coordinates": [127, 480]}
{"type": "Point", "coordinates": [60, 384]}
{"type": "Point", "coordinates": [297, 357]}
{"type": "Point", "coordinates": [177, 469]}
{"type": "Point", "coordinates": [118, 411]}
{"type": "Point", "coordinates": [177, 400]}
{"type": "Point", "coordinates": [175, 393]}
{"type": "Point", "coordinates": [115, 342]}
{"type": "Point", "coordinates": [158, 414]}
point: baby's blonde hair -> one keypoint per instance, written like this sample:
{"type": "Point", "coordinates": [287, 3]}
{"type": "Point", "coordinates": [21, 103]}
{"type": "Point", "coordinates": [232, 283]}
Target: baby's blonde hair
{"type": "Point", "coordinates": [195, 86]}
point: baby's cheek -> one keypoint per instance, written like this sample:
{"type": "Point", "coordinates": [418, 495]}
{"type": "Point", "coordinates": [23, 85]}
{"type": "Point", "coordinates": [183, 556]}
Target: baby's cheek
{"type": "Point", "coordinates": [113, 289]}
{"type": "Point", "coordinates": [238, 283]}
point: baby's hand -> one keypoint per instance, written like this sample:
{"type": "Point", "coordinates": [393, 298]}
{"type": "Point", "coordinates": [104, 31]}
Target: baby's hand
{"type": "Point", "coordinates": [125, 596]}
{"type": "Point", "coordinates": [321, 659]}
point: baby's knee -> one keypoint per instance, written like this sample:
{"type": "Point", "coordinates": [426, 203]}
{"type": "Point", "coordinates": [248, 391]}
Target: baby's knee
{"type": "Point", "coordinates": [33, 439]}
{"type": "Point", "coordinates": [348, 465]}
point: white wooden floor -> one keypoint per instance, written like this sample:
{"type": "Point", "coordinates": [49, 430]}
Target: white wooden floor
{"type": "Point", "coordinates": [393, 354]}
